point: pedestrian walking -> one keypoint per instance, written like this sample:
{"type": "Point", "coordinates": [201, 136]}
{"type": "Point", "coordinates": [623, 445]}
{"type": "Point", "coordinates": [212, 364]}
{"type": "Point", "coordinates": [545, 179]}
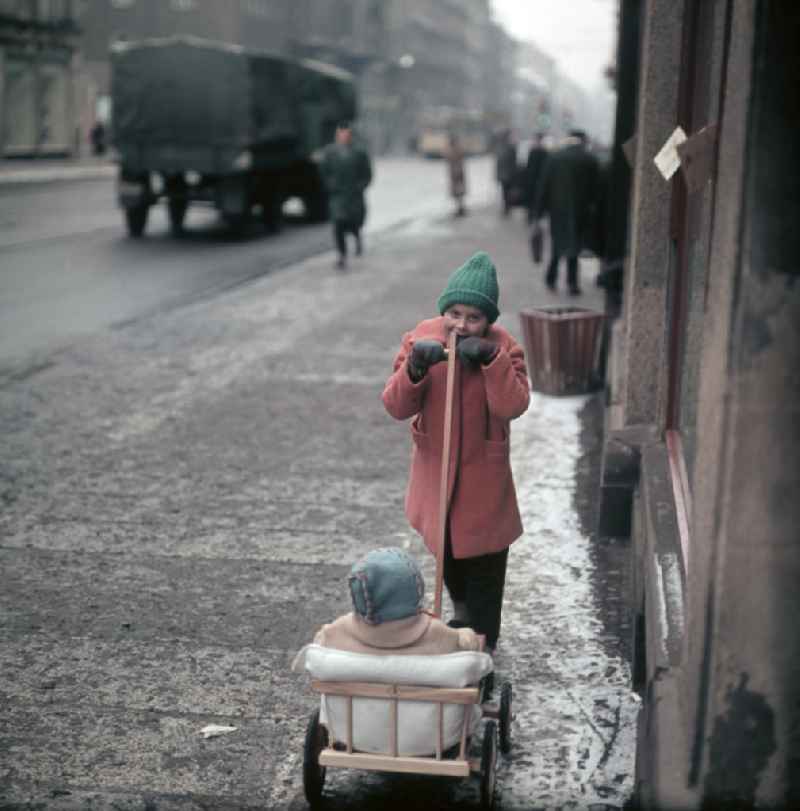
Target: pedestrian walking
{"type": "Point", "coordinates": [537, 155]}
{"type": "Point", "coordinates": [567, 194]}
{"type": "Point", "coordinates": [346, 171]}
{"type": "Point", "coordinates": [506, 169]}
{"type": "Point", "coordinates": [490, 389]}
{"type": "Point", "coordinates": [456, 173]}
{"type": "Point", "coordinates": [97, 138]}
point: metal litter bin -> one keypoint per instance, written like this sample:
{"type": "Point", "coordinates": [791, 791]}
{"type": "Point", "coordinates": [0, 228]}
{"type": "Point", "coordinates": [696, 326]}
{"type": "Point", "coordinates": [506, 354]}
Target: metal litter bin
{"type": "Point", "coordinates": [562, 348]}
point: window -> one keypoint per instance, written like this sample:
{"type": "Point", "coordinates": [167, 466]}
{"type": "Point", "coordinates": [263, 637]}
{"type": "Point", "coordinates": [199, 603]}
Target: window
{"type": "Point", "coordinates": [691, 225]}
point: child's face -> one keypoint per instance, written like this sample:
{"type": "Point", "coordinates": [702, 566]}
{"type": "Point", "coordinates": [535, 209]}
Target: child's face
{"type": "Point", "coordinates": [465, 320]}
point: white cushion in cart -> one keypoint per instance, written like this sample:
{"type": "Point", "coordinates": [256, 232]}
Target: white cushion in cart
{"type": "Point", "coordinates": [417, 720]}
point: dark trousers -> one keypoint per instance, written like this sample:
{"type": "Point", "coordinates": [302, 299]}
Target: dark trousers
{"type": "Point", "coordinates": [479, 583]}
{"type": "Point", "coordinates": [572, 270]}
{"type": "Point", "coordinates": [507, 191]}
{"type": "Point", "coordinates": [340, 230]}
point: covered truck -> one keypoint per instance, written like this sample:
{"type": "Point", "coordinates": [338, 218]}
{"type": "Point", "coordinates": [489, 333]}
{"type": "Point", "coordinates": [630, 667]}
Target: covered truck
{"type": "Point", "coordinates": [194, 120]}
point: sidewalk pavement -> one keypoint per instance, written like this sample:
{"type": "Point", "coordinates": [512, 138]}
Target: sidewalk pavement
{"type": "Point", "coordinates": [237, 455]}
{"type": "Point", "coordinates": [44, 170]}
{"type": "Point", "coordinates": [565, 639]}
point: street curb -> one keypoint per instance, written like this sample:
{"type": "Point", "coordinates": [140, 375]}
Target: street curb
{"type": "Point", "coordinates": [48, 174]}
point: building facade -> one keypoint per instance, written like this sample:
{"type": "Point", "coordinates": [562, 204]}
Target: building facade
{"type": "Point", "coordinates": [535, 87]}
{"type": "Point", "coordinates": [436, 63]}
{"type": "Point", "coordinates": [352, 35]}
{"type": "Point", "coordinates": [414, 61]}
{"type": "Point", "coordinates": [700, 463]}
{"type": "Point", "coordinates": [407, 55]}
{"type": "Point", "coordinates": [38, 48]}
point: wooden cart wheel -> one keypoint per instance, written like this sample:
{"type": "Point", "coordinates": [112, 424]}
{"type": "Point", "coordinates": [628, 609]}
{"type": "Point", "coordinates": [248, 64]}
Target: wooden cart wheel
{"type": "Point", "coordinates": [488, 764]}
{"type": "Point", "coordinates": [313, 773]}
{"type": "Point", "coordinates": [504, 717]}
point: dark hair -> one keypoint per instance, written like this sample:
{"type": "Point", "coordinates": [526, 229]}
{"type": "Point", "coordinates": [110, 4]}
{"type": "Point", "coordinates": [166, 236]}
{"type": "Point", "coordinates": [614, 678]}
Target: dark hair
{"type": "Point", "coordinates": [344, 125]}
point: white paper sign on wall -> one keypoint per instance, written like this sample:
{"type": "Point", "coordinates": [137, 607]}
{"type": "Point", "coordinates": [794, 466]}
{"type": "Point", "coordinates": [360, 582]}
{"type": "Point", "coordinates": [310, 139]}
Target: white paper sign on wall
{"type": "Point", "coordinates": [668, 160]}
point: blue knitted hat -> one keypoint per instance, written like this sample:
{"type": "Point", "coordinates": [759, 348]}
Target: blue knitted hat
{"type": "Point", "coordinates": [474, 283]}
{"type": "Point", "coordinates": [386, 585]}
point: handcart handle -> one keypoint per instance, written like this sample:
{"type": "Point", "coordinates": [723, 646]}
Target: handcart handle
{"type": "Point", "coordinates": [445, 472]}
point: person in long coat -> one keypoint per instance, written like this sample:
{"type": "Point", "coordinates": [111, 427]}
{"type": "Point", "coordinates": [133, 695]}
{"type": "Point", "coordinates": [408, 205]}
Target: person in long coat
{"type": "Point", "coordinates": [537, 155]}
{"type": "Point", "coordinates": [346, 171]}
{"type": "Point", "coordinates": [491, 388]}
{"type": "Point", "coordinates": [506, 168]}
{"type": "Point", "coordinates": [456, 173]}
{"type": "Point", "coordinates": [567, 194]}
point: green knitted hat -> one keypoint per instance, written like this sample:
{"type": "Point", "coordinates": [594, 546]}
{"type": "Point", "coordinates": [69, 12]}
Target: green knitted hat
{"type": "Point", "coordinates": [474, 283]}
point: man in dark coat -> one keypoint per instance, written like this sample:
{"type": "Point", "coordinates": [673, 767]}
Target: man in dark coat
{"type": "Point", "coordinates": [506, 167]}
{"type": "Point", "coordinates": [346, 171]}
{"type": "Point", "coordinates": [567, 194]}
{"type": "Point", "coordinates": [537, 155]}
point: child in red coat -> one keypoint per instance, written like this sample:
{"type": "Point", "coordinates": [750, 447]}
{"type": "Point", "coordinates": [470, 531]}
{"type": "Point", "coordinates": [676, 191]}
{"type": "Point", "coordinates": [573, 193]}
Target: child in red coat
{"type": "Point", "coordinates": [491, 388]}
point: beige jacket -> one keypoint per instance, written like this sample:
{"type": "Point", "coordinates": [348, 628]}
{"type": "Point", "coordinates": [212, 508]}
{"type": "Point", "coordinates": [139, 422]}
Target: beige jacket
{"type": "Point", "coordinates": [420, 635]}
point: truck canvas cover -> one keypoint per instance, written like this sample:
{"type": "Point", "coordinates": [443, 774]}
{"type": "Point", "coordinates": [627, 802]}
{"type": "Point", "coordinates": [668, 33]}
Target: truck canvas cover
{"type": "Point", "coordinates": [182, 97]}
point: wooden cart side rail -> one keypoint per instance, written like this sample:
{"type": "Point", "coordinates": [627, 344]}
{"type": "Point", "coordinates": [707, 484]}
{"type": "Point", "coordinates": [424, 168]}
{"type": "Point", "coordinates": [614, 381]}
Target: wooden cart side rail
{"type": "Point", "coordinates": [444, 695]}
{"type": "Point", "coordinates": [404, 764]}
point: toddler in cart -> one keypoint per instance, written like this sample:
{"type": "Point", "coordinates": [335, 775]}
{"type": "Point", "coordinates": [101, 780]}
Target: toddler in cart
{"type": "Point", "coordinates": [388, 638]}
{"type": "Point", "coordinates": [387, 590]}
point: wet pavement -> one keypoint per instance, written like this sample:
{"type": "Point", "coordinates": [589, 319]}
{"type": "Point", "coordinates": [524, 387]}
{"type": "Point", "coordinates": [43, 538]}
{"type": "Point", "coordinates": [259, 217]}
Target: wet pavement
{"type": "Point", "coordinates": [68, 269]}
{"type": "Point", "coordinates": [181, 498]}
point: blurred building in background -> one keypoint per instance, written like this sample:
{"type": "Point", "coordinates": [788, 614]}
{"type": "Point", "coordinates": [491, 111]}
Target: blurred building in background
{"type": "Point", "coordinates": [424, 67]}
{"type": "Point", "coordinates": [537, 105]}
{"type": "Point", "coordinates": [38, 66]}
{"type": "Point", "coordinates": [351, 34]}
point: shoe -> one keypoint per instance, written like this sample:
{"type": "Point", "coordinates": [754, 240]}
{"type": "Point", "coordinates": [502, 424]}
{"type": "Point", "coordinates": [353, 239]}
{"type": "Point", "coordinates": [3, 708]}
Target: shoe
{"type": "Point", "coordinates": [551, 284]}
{"type": "Point", "coordinates": [574, 290]}
{"type": "Point", "coordinates": [341, 263]}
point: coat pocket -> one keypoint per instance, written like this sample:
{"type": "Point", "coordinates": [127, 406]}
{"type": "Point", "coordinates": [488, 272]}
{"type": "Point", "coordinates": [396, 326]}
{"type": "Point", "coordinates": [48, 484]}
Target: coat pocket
{"type": "Point", "coordinates": [497, 450]}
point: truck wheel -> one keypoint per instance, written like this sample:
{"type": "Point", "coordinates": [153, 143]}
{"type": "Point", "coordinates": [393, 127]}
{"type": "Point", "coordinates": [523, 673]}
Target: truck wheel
{"type": "Point", "coordinates": [136, 220]}
{"type": "Point", "coordinates": [272, 214]}
{"type": "Point", "coordinates": [177, 214]}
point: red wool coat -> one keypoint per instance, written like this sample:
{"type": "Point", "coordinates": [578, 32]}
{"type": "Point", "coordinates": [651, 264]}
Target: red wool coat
{"type": "Point", "coordinates": [482, 502]}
